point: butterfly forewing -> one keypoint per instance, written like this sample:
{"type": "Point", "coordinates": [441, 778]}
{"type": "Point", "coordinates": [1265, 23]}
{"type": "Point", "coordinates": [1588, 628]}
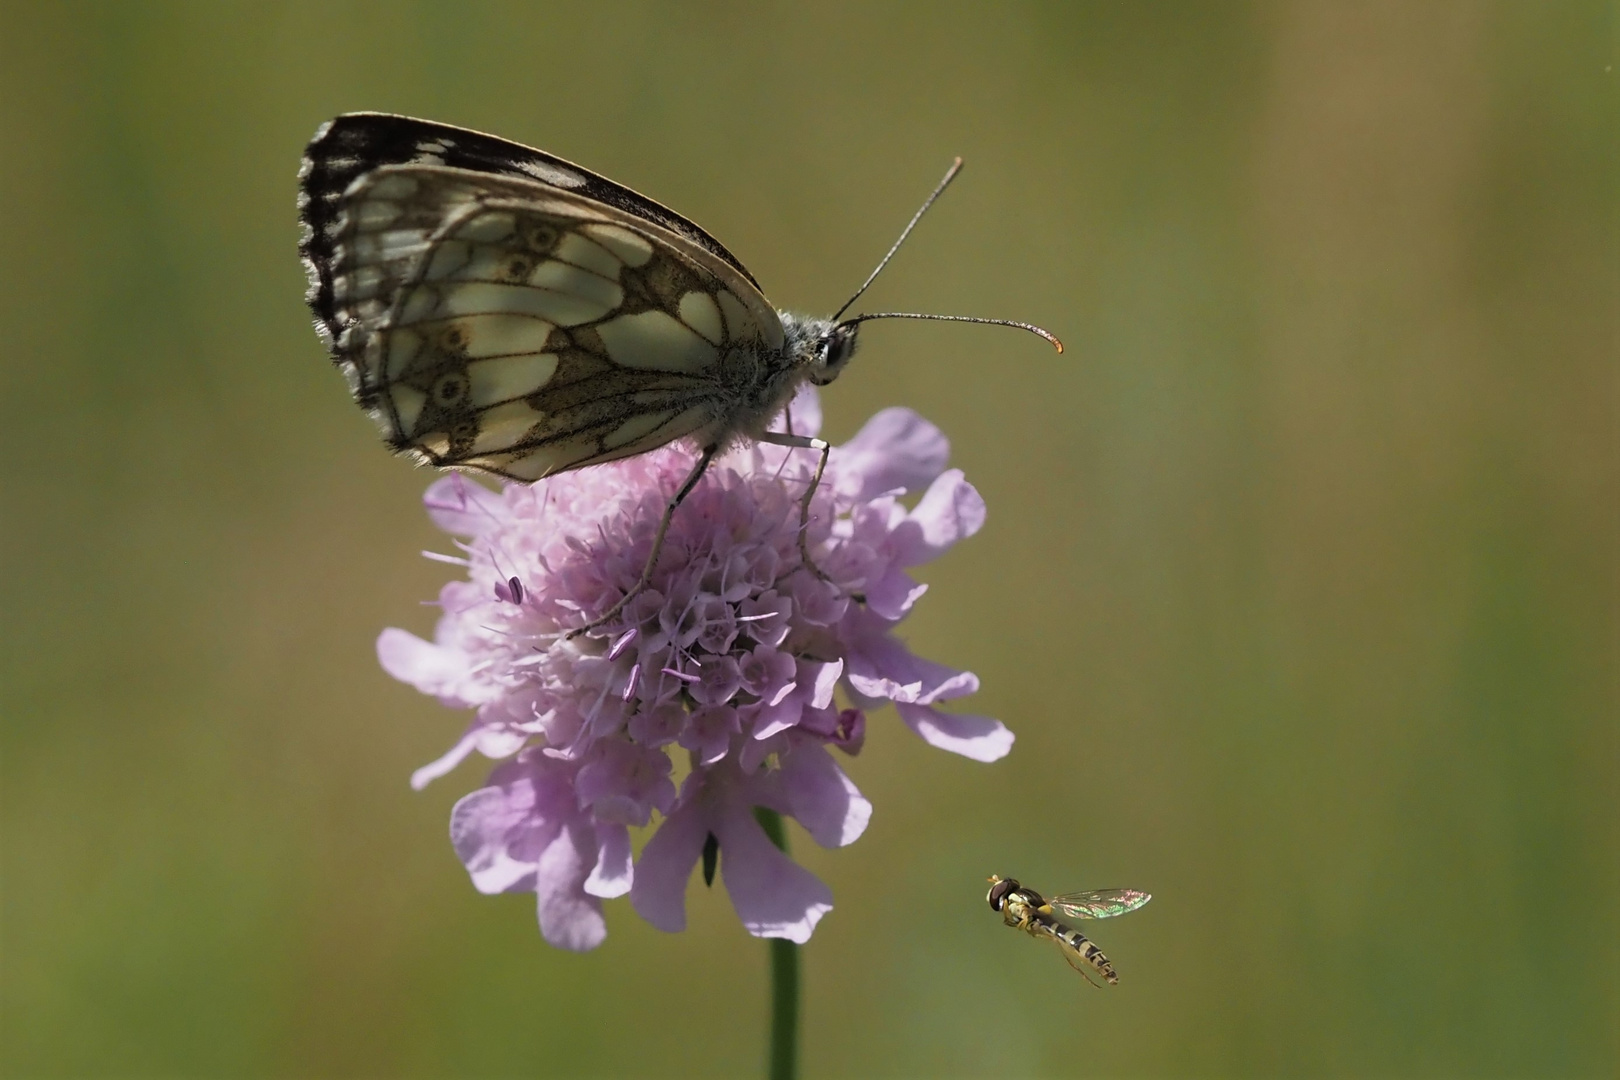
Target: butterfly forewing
{"type": "Point", "coordinates": [509, 324]}
{"type": "Point", "coordinates": [1099, 903]}
{"type": "Point", "coordinates": [352, 145]}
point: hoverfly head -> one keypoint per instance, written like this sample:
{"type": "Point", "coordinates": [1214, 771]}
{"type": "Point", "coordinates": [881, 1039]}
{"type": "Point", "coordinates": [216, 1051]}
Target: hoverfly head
{"type": "Point", "coordinates": [999, 889]}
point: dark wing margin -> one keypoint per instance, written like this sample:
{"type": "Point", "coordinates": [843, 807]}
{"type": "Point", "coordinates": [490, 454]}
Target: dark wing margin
{"type": "Point", "coordinates": [353, 144]}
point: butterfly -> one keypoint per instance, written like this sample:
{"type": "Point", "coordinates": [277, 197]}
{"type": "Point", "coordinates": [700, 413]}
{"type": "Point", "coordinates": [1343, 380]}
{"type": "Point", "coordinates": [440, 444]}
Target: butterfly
{"type": "Point", "coordinates": [499, 309]}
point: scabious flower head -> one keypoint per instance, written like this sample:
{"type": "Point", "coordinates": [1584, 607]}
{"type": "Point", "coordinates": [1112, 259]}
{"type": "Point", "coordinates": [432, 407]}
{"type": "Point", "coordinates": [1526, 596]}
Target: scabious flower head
{"type": "Point", "coordinates": [733, 654]}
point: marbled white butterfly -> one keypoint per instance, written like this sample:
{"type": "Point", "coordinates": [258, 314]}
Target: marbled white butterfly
{"type": "Point", "coordinates": [499, 309]}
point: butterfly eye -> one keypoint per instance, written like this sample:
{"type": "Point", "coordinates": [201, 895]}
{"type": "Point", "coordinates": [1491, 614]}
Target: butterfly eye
{"type": "Point", "coordinates": [836, 349]}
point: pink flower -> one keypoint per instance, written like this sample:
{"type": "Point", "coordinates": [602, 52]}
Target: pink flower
{"type": "Point", "coordinates": [735, 654]}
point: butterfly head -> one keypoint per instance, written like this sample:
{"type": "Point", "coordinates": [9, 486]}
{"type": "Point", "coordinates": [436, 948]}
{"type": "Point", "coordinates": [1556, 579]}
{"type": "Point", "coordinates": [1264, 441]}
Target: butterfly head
{"type": "Point", "coordinates": [833, 349]}
{"type": "Point", "coordinates": [817, 349]}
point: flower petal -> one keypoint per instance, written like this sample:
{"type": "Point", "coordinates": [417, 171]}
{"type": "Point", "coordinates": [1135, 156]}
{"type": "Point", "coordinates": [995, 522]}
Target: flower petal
{"type": "Point", "coordinates": [756, 752]}
{"type": "Point", "coordinates": [951, 510]}
{"type": "Point", "coordinates": [976, 737]}
{"type": "Point", "coordinates": [892, 595]}
{"type": "Point", "coordinates": [896, 450]}
{"type": "Point", "coordinates": [819, 796]}
{"type": "Point", "coordinates": [772, 895]}
{"type": "Point", "coordinates": [570, 918]}
{"type": "Point", "coordinates": [772, 717]}
{"type": "Point", "coordinates": [482, 824]}
{"type": "Point", "coordinates": [448, 760]}
{"type": "Point", "coordinates": [432, 669]}
{"type": "Point", "coordinates": [461, 507]}
{"type": "Point", "coordinates": [659, 891]}
{"type": "Point", "coordinates": [822, 679]}
{"type": "Point", "coordinates": [881, 667]}
{"type": "Point", "coordinates": [613, 873]}
{"type": "Point", "coordinates": [492, 742]}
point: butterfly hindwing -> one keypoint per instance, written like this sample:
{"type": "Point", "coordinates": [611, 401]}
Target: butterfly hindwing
{"type": "Point", "coordinates": [504, 323]}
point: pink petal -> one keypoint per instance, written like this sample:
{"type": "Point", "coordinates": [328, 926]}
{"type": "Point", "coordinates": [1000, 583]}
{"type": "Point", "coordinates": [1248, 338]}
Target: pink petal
{"type": "Point", "coordinates": [613, 873]}
{"type": "Point", "coordinates": [447, 761]}
{"type": "Point", "coordinates": [659, 891]}
{"type": "Point", "coordinates": [481, 827]}
{"type": "Point", "coordinates": [976, 737]}
{"type": "Point", "coordinates": [461, 507]}
{"type": "Point", "coordinates": [492, 742]}
{"type": "Point", "coordinates": [821, 798]}
{"type": "Point", "coordinates": [896, 450]}
{"type": "Point", "coordinates": [951, 510]}
{"type": "Point", "coordinates": [755, 752]}
{"type": "Point", "coordinates": [569, 917]}
{"type": "Point", "coordinates": [708, 732]}
{"type": "Point", "coordinates": [770, 718]}
{"type": "Point", "coordinates": [822, 680]}
{"type": "Point", "coordinates": [432, 669]}
{"type": "Point", "coordinates": [892, 595]}
{"type": "Point", "coordinates": [772, 895]}
{"type": "Point", "coordinates": [881, 667]}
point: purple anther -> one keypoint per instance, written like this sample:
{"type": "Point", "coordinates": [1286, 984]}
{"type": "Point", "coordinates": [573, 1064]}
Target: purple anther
{"type": "Point", "coordinates": [624, 639]}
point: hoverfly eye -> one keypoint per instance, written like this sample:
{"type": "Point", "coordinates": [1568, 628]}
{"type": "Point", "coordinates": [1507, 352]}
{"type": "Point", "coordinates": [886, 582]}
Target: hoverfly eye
{"type": "Point", "coordinates": [999, 891]}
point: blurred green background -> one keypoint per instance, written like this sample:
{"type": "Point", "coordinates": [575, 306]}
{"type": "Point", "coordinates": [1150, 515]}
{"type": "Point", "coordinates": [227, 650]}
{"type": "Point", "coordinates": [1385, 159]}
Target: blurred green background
{"type": "Point", "coordinates": [1299, 585]}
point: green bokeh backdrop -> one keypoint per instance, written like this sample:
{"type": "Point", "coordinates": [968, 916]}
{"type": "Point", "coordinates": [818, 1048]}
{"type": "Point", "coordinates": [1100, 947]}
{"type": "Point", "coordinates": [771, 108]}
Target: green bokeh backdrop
{"type": "Point", "coordinates": [1299, 583]}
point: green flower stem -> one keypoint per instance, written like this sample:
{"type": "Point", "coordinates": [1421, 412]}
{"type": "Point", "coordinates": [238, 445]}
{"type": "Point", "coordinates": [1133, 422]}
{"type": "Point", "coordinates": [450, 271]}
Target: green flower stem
{"type": "Point", "coordinates": [784, 1059]}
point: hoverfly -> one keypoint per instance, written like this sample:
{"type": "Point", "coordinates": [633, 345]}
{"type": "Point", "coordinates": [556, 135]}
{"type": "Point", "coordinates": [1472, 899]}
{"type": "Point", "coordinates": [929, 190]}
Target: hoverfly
{"type": "Point", "coordinates": [1025, 909]}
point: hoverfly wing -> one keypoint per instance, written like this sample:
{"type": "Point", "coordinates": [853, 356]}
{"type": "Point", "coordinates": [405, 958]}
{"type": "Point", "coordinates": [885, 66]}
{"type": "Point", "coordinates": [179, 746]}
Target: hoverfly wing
{"type": "Point", "coordinates": [1098, 903]}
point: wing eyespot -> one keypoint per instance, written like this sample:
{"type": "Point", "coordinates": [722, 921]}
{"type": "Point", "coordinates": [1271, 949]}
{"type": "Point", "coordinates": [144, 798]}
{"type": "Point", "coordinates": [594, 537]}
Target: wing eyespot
{"type": "Point", "coordinates": [450, 388]}
{"type": "Point", "coordinates": [517, 268]}
{"type": "Point", "coordinates": [538, 235]}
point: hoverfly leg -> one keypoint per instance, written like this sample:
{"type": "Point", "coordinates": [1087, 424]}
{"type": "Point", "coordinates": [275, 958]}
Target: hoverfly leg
{"type": "Point", "coordinates": [686, 487]}
{"type": "Point", "coordinates": [824, 448]}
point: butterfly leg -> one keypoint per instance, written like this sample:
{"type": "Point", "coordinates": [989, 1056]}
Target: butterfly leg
{"type": "Point", "coordinates": [686, 487]}
{"type": "Point", "coordinates": [804, 442]}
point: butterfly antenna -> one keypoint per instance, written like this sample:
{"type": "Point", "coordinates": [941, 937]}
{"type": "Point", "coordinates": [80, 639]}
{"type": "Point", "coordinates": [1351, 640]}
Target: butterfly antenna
{"type": "Point", "coordinates": [950, 174]}
{"type": "Point", "coordinates": [1031, 327]}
